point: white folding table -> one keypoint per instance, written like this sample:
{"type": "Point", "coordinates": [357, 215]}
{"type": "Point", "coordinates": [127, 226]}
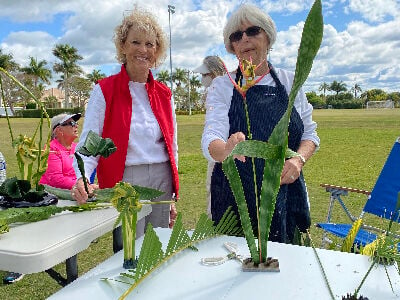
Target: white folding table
{"type": "Point", "coordinates": [35, 247]}
{"type": "Point", "coordinates": [184, 277]}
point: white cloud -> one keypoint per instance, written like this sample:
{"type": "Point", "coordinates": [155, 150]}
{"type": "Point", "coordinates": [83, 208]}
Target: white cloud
{"type": "Point", "coordinates": [23, 44]}
{"type": "Point", "coordinates": [374, 10]}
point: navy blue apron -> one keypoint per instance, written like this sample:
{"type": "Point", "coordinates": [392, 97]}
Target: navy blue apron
{"type": "Point", "coordinates": [266, 106]}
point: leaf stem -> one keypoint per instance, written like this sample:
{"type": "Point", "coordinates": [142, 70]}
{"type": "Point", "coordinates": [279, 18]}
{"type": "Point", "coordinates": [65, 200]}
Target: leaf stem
{"type": "Point", "coordinates": [5, 107]}
{"type": "Point", "coordinates": [250, 137]}
{"type": "Point", "coordinates": [364, 278]}
{"type": "Point", "coordinates": [81, 168]}
{"type": "Point", "coordinates": [320, 265]}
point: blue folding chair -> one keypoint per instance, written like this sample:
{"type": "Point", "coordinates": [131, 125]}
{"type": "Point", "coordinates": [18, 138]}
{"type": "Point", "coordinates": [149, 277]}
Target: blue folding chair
{"type": "Point", "coordinates": [381, 202]}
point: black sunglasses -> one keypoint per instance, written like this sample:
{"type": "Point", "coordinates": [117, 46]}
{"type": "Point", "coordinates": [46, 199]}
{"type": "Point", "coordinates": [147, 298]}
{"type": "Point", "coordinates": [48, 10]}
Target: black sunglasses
{"type": "Point", "coordinates": [251, 31]}
{"type": "Point", "coordinates": [70, 123]}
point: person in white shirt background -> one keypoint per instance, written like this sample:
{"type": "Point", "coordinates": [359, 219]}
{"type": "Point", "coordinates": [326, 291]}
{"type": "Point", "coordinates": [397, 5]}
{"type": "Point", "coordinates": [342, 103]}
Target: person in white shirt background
{"type": "Point", "coordinates": [210, 68]}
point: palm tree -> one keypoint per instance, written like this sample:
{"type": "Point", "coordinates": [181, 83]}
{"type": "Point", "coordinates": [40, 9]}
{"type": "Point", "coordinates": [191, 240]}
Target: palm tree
{"type": "Point", "coordinates": [163, 76]}
{"type": "Point", "coordinates": [356, 88]}
{"type": "Point", "coordinates": [338, 87]}
{"type": "Point", "coordinates": [68, 65]}
{"type": "Point", "coordinates": [37, 69]}
{"type": "Point", "coordinates": [324, 87]}
{"type": "Point", "coordinates": [95, 76]}
{"type": "Point", "coordinates": [179, 76]}
{"type": "Point", "coordinates": [195, 82]}
{"type": "Point", "coordinates": [61, 82]}
{"type": "Point", "coordinates": [7, 62]}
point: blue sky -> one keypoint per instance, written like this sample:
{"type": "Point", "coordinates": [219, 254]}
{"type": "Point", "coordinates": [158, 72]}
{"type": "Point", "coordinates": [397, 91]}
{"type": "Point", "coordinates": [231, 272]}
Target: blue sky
{"type": "Point", "coordinates": [361, 41]}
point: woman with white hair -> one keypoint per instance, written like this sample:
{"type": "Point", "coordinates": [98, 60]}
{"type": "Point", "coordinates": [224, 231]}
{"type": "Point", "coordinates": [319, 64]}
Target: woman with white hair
{"type": "Point", "coordinates": [249, 34]}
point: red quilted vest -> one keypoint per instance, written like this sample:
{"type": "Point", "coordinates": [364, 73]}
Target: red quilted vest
{"type": "Point", "coordinates": [117, 122]}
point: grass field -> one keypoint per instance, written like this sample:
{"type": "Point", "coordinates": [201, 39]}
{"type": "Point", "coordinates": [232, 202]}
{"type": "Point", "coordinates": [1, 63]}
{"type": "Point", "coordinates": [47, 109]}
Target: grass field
{"type": "Point", "coordinates": [354, 147]}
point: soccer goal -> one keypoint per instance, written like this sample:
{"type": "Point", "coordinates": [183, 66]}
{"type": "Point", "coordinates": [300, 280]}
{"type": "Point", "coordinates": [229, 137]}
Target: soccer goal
{"type": "Point", "coordinates": [380, 104]}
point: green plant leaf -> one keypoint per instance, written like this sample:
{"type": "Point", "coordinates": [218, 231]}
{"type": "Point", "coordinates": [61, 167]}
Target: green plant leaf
{"type": "Point", "coordinates": [231, 172]}
{"type": "Point", "coordinates": [310, 42]}
{"type": "Point", "coordinates": [95, 145]}
{"type": "Point", "coordinates": [179, 238]}
{"type": "Point", "coordinates": [15, 188]}
{"type": "Point", "coordinates": [228, 224]}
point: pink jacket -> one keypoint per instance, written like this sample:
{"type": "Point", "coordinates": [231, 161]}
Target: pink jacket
{"type": "Point", "coordinates": [60, 173]}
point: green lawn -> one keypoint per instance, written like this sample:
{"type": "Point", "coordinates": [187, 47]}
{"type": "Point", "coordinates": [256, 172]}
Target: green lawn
{"type": "Point", "coordinates": [354, 146]}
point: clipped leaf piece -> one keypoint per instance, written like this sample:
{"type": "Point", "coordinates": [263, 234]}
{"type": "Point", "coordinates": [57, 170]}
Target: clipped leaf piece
{"type": "Point", "coordinates": [95, 145]}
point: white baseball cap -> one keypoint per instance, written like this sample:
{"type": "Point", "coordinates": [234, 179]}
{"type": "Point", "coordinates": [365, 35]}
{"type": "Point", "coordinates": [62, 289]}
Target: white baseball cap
{"type": "Point", "coordinates": [61, 118]}
{"type": "Point", "coordinates": [202, 69]}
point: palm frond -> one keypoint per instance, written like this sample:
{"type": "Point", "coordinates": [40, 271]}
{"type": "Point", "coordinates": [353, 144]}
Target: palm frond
{"type": "Point", "coordinates": [152, 256]}
{"type": "Point", "coordinates": [179, 237]}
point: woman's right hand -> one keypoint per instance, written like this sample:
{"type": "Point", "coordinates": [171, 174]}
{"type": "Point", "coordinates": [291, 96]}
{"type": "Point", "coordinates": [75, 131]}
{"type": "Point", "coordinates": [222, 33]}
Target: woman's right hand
{"type": "Point", "coordinates": [232, 141]}
{"type": "Point", "coordinates": [78, 191]}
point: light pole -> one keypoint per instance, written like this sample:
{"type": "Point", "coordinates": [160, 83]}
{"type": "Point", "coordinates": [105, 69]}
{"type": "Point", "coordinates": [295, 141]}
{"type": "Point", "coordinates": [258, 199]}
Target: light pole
{"type": "Point", "coordinates": [190, 105]}
{"type": "Point", "coordinates": [171, 10]}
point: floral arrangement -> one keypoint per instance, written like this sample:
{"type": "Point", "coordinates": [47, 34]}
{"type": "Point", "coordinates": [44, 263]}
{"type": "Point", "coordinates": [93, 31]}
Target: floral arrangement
{"type": "Point", "coordinates": [28, 152]}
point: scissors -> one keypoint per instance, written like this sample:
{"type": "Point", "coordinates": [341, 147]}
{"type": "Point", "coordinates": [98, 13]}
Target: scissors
{"type": "Point", "coordinates": [233, 254]}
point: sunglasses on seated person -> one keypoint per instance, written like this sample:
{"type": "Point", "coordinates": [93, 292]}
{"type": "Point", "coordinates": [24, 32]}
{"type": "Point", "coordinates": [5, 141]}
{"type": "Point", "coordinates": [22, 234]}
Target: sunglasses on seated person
{"type": "Point", "coordinates": [70, 123]}
{"type": "Point", "coordinates": [251, 31]}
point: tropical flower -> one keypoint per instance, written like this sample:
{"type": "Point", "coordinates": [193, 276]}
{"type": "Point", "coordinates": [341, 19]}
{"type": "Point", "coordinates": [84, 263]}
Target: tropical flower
{"type": "Point", "coordinates": [249, 73]}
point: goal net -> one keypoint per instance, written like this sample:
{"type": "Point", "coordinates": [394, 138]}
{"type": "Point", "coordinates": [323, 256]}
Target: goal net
{"type": "Point", "coordinates": [380, 104]}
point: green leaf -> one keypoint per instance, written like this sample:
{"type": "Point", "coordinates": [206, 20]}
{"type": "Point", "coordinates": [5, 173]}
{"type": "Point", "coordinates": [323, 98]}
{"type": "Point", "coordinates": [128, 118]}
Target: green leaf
{"type": "Point", "coordinates": [146, 193]}
{"type": "Point", "coordinates": [231, 172]}
{"type": "Point", "coordinates": [309, 45]}
{"type": "Point", "coordinates": [95, 145]}
{"type": "Point", "coordinates": [249, 148]}
{"type": "Point", "coordinates": [310, 42]}
{"type": "Point", "coordinates": [179, 238]}
{"type": "Point", "coordinates": [260, 149]}
{"type": "Point", "coordinates": [15, 188]}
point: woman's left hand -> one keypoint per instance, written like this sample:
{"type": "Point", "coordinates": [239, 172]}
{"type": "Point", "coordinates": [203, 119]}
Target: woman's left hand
{"type": "Point", "coordinates": [291, 170]}
{"type": "Point", "coordinates": [172, 215]}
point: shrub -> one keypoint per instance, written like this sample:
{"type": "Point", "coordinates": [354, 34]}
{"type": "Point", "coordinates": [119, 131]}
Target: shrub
{"type": "Point", "coordinates": [31, 105]}
{"type": "Point", "coordinates": [35, 113]}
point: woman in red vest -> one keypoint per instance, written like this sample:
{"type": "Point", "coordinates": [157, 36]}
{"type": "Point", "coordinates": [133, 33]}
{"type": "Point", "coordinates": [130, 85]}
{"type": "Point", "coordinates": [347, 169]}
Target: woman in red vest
{"type": "Point", "coordinates": [137, 113]}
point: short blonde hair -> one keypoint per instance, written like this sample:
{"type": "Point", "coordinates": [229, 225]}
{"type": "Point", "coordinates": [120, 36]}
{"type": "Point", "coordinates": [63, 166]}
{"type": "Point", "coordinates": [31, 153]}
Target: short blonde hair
{"type": "Point", "coordinates": [255, 16]}
{"type": "Point", "coordinates": [142, 20]}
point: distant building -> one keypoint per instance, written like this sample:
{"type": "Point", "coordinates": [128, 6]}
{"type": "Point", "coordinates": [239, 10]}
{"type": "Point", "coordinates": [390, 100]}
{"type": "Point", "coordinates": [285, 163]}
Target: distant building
{"type": "Point", "coordinates": [58, 94]}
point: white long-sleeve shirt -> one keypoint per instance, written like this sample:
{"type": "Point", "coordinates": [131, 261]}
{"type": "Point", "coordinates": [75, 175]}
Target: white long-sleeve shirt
{"type": "Point", "coordinates": [218, 103]}
{"type": "Point", "coordinates": [146, 144]}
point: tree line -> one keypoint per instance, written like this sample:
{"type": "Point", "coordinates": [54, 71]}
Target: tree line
{"type": "Point", "coordinates": [340, 96]}
{"type": "Point", "coordinates": [186, 86]}
{"type": "Point", "coordinates": [36, 77]}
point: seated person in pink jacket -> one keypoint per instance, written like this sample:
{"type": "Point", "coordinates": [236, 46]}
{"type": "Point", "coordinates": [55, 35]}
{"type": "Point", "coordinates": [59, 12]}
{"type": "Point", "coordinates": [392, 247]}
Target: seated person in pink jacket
{"type": "Point", "coordinates": [60, 173]}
